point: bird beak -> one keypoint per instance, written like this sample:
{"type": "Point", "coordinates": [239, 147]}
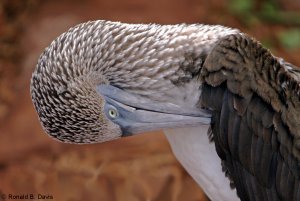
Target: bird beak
{"type": "Point", "coordinates": [139, 114]}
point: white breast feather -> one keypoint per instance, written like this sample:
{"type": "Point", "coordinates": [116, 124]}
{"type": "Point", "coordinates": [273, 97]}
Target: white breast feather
{"type": "Point", "coordinates": [198, 156]}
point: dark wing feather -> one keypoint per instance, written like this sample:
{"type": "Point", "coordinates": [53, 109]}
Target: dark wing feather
{"type": "Point", "coordinates": [255, 98]}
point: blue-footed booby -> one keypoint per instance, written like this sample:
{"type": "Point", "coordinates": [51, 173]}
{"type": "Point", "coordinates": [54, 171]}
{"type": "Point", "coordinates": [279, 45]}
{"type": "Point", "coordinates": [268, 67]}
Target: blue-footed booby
{"type": "Point", "coordinates": [229, 108]}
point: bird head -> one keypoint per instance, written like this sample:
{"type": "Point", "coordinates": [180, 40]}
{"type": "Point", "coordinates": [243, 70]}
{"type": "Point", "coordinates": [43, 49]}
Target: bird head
{"type": "Point", "coordinates": [104, 80]}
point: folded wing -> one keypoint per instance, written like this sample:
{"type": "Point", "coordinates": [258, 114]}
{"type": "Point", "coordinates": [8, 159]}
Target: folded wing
{"type": "Point", "coordinates": [255, 98]}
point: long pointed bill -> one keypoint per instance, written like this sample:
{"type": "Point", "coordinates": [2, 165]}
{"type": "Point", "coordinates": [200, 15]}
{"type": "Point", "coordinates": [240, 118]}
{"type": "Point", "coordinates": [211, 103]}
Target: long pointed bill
{"type": "Point", "coordinates": [138, 114]}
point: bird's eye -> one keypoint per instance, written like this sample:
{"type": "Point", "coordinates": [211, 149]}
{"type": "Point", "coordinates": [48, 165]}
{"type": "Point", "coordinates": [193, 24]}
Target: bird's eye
{"type": "Point", "coordinates": [112, 113]}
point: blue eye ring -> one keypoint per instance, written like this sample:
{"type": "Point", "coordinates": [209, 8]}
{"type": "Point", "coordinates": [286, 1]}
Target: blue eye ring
{"type": "Point", "coordinates": [113, 113]}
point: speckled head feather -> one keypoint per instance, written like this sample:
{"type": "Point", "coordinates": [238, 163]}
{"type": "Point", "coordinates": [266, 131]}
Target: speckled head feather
{"type": "Point", "coordinates": [149, 60]}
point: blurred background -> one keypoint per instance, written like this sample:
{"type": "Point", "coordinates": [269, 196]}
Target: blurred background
{"type": "Point", "coordinates": [140, 168]}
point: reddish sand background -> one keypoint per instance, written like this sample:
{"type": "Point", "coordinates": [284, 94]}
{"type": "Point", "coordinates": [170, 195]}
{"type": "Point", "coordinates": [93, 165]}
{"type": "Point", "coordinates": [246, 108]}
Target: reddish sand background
{"type": "Point", "coordinates": [131, 169]}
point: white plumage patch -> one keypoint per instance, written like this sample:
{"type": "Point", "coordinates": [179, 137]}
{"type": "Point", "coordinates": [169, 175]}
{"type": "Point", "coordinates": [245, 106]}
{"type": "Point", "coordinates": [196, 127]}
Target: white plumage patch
{"type": "Point", "coordinates": [192, 148]}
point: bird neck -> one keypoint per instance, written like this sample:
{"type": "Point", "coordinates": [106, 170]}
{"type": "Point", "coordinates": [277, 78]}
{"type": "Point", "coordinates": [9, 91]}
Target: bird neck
{"type": "Point", "coordinates": [158, 62]}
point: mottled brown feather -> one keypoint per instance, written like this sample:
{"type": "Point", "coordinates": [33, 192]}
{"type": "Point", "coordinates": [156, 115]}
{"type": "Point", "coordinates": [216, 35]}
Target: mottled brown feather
{"type": "Point", "coordinates": [256, 127]}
